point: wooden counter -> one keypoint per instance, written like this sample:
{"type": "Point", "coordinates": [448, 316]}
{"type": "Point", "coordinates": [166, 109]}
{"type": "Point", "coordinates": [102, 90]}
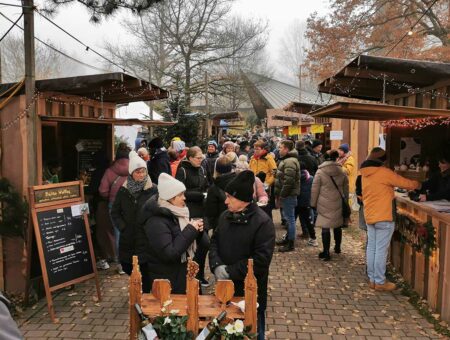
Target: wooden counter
{"type": "Point", "coordinates": [429, 276]}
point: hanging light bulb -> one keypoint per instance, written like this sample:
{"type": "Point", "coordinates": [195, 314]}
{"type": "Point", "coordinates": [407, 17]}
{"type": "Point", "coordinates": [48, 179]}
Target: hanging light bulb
{"type": "Point", "coordinates": [410, 32]}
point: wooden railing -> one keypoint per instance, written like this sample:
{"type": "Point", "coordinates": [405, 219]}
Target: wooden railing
{"type": "Point", "coordinates": [429, 275]}
{"type": "Point", "coordinates": [200, 309]}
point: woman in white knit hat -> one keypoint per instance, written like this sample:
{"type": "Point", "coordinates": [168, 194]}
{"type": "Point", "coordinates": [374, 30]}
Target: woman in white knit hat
{"type": "Point", "coordinates": [167, 235]}
{"type": "Point", "coordinates": [132, 195]}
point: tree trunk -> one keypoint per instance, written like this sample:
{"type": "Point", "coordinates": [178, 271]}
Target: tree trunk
{"type": "Point", "coordinates": [187, 84]}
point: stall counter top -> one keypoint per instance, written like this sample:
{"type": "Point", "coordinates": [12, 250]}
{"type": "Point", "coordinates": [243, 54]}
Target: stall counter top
{"type": "Point", "coordinates": [403, 198]}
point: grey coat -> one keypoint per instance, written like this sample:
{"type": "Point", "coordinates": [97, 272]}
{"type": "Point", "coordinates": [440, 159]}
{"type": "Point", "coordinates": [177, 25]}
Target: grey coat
{"type": "Point", "coordinates": [325, 197]}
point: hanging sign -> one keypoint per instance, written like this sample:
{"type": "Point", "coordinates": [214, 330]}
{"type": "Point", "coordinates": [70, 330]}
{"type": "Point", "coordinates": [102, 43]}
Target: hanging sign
{"type": "Point", "coordinates": [336, 135]}
{"type": "Point", "coordinates": [317, 128]}
{"type": "Point", "coordinates": [294, 130]}
{"type": "Point", "coordinates": [63, 237]}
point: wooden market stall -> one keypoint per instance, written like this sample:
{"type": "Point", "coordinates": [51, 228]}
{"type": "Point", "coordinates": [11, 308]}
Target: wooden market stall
{"type": "Point", "coordinates": [414, 110]}
{"type": "Point", "coordinates": [76, 119]}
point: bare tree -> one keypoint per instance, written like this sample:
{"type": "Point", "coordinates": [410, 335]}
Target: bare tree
{"type": "Point", "coordinates": [49, 63]}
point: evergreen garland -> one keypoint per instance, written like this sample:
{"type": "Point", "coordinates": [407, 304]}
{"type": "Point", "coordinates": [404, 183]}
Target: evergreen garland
{"type": "Point", "coordinates": [14, 210]}
{"type": "Point", "coordinates": [421, 235]}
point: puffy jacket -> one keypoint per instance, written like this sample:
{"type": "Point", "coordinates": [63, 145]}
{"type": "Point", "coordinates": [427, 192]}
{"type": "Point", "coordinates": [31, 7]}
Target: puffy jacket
{"type": "Point", "coordinates": [349, 167]}
{"type": "Point", "coordinates": [194, 178]}
{"type": "Point", "coordinates": [113, 179]}
{"type": "Point", "coordinates": [304, 199]}
{"type": "Point", "coordinates": [326, 198]}
{"type": "Point", "coordinates": [124, 214]}
{"type": "Point", "coordinates": [239, 237]}
{"type": "Point", "coordinates": [158, 163]}
{"type": "Point", "coordinates": [264, 164]}
{"type": "Point", "coordinates": [378, 184]}
{"type": "Point", "coordinates": [161, 244]}
{"type": "Point", "coordinates": [215, 199]}
{"type": "Point", "coordinates": [287, 182]}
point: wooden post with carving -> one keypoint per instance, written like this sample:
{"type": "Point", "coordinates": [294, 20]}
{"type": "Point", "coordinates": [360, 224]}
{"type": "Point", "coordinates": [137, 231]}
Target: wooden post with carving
{"type": "Point", "coordinates": [192, 291]}
{"type": "Point", "coordinates": [251, 292]}
{"type": "Point", "coordinates": [224, 292]}
{"type": "Point", "coordinates": [135, 297]}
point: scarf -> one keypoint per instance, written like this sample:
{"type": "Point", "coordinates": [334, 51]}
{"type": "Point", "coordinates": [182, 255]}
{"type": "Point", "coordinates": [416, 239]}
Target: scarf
{"type": "Point", "coordinates": [342, 160]}
{"type": "Point", "coordinates": [136, 187]}
{"type": "Point", "coordinates": [183, 219]}
{"type": "Point", "coordinates": [263, 153]}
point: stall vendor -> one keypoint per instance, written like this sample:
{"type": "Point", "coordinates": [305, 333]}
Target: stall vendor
{"type": "Point", "coordinates": [438, 186]}
{"type": "Point", "coordinates": [50, 172]}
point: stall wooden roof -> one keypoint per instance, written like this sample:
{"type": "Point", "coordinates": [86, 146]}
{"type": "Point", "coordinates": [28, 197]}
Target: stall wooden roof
{"type": "Point", "coordinates": [115, 121]}
{"type": "Point", "coordinates": [363, 77]}
{"type": "Point", "coordinates": [116, 88]}
{"type": "Point", "coordinates": [376, 112]}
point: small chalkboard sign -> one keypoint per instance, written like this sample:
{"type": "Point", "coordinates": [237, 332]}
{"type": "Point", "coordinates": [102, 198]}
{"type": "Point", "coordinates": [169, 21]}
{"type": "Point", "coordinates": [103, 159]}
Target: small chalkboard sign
{"type": "Point", "coordinates": [62, 236]}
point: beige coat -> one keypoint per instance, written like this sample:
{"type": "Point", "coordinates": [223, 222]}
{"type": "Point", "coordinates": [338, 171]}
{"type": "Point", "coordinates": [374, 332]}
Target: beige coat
{"type": "Point", "coordinates": [324, 196]}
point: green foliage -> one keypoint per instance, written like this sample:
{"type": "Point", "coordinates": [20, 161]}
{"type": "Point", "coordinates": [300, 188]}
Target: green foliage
{"type": "Point", "coordinates": [14, 210]}
{"type": "Point", "coordinates": [187, 126]}
{"type": "Point", "coordinates": [172, 327]}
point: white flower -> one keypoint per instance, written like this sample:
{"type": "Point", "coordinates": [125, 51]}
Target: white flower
{"type": "Point", "coordinates": [167, 320]}
{"type": "Point", "coordinates": [174, 311]}
{"type": "Point", "coordinates": [215, 322]}
{"type": "Point", "coordinates": [167, 303]}
{"type": "Point", "coordinates": [163, 309]}
{"type": "Point", "coordinates": [239, 326]}
{"type": "Point", "coordinates": [230, 329]}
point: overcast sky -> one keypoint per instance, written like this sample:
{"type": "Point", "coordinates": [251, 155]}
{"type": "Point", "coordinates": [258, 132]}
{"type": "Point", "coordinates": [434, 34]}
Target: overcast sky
{"type": "Point", "coordinates": [75, 19]}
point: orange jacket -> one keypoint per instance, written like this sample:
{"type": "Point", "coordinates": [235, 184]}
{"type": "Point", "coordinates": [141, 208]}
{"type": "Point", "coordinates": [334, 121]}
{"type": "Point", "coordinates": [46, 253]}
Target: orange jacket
{"type": "Point", "coordinates": [265, 164]}
{"type": "Point", "coordinates": [378, 192]}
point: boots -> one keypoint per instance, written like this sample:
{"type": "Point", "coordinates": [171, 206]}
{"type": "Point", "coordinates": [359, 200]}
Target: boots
{"type": "Point", "coordinates": [326, 240]}
{"type": "Point", "coordinates": [337, 233]}
{"type": "Point", "coordinates": [282, 241]}
{"type": "Point", "coordinates": [289, 246]}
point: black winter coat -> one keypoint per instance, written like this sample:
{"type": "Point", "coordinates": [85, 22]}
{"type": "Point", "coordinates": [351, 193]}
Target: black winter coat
{"type": "Point", "coordinates": [437, 187]}
{"type": "Point", "coordinates": [307, 161]}
{"type": "Point", "coordinates": [124, 214]}
{"type": "Point", "coordinates": [304, 199]}
{"type": "Point", "coordinates": [196, 184]}
{"type": "Point", "coordinates": [239, 237]}
{"type": "Point", "coordinates": [215, 200]}
{"type": "Point", "coordinates": [161, 244]}
{"type": "Point", "coordinates": [158, 163]}
{"type": "Point", "coordinates": [209, 164]}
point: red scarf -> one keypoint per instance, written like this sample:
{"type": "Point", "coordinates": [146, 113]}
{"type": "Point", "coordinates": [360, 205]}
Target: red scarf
{"type": "Point", "coordinates": [263, 153]}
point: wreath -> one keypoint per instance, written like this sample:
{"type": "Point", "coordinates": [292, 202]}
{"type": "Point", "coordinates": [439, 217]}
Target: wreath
{"type": "Point", "coordinates": [14, 210]}
{"type": "Point", "coordinates": [421, 235]}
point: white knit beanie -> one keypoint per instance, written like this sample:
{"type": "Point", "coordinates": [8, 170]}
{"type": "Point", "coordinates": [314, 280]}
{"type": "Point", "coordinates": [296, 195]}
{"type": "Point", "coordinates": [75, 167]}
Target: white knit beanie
{"type": "Point", "coordinates": [136, 162]}
{"type": "Point", "coordinates": [169, 187]}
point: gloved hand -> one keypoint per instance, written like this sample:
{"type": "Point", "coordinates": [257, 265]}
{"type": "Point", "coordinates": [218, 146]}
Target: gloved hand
{"type": "Point", "coordinates": [221, 273]}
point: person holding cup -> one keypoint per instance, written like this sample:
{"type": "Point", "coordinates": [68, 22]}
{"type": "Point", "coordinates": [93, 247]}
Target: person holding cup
{"type": "Point", "coordinates": [167, 236]}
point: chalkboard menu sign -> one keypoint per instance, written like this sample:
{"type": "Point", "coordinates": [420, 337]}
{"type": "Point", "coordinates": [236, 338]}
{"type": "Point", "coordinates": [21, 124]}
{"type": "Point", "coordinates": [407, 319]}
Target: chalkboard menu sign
{"type": "Point", "coordinates": [66, 248]}
{"type": "Point", "coordinates": [63, 237]}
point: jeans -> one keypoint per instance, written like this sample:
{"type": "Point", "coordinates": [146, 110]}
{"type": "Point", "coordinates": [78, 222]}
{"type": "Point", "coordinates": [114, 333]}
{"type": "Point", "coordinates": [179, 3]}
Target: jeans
{"type": "Point", "coordinates": [116, 232]}
{"type": "Point", "coordinates": [379, 237]}
{"type": "Point", "coordinates": [261, 324]}
{"type": "Point", "coordinates": [288, 204]}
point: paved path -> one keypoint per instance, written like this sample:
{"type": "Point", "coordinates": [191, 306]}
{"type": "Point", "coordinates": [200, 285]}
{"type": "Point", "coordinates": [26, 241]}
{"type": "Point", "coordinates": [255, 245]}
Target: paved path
{"type": "Point", "coordinates": [308, 299]}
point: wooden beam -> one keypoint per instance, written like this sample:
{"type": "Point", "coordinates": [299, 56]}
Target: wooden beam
{"type": "Point", "coordinates": [398, 77]}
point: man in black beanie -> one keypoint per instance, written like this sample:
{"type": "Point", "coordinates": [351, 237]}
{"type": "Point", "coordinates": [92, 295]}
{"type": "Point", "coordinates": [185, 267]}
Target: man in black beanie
{"type": "Point", "coordinates": [244, 231]}
{"type": "Point", "coordinates": [159, 159]}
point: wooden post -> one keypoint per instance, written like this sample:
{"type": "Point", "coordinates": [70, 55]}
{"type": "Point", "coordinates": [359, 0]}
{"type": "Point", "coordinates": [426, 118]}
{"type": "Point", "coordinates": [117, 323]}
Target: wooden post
{"type": "Point", "coordinates": [224, 292]}
{"type": "Point", "coordinates": [251, 291]}
{"type": "Point", "coordinates": [135, 297]}
{"type": "Point", "coordinates": [192, 291]}
{"type": "Point", "coordinates": [161, 290]}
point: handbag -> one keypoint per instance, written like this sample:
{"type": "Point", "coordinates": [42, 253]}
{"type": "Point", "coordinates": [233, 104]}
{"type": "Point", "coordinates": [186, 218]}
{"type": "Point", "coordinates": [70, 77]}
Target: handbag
{"type": "Point", "coordinates": [346, 210]}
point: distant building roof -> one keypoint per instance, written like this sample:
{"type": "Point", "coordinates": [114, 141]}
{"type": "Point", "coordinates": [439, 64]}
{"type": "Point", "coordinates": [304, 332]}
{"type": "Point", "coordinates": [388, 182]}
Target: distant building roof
{"type": "Point", "coordinates": [267, 93]}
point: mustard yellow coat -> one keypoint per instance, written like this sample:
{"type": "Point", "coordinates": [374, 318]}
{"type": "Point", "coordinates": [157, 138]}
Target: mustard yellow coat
{"type": "Point", "coordinates": [350, 170]}
{"type": "Point", "coordinates": [265, 164]}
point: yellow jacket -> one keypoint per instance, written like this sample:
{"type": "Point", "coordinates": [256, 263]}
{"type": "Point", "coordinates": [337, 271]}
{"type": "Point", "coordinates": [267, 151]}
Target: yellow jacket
{"type": "Point", "coordinates": [265, 164]}
{"type": "Point", "coordinates": [378, 185]}
{"type": "Point", "coordinates": [350, 170]}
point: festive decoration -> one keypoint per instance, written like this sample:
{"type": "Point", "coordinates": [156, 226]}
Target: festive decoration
{"type": "Point", "coordinates": [416, 124]}
{"type": "Point", "coordinates": [233, 331]}
{"type": "Point", "coordinates": [421, 235]}
{"type": "Point", "coordinates": [14, 210]}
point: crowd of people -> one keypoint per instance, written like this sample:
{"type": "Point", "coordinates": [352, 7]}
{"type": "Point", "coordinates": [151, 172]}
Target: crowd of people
{"type": "Point", "coordinates": [168, 205]}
